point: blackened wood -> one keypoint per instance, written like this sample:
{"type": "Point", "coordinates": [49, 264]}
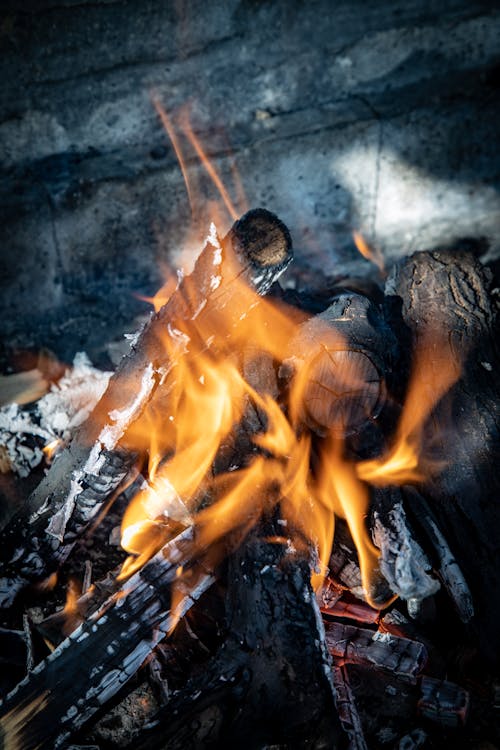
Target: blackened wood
{"type": "Point", "coordinates": [100, 656]}
{"type": "Point", "coordinates": [256, 251]}
{"type": "Point", "coordinates": [270, 683]}
{"type": "Point", "coordinates": [347, 709]}
{"type": "Point", "coordinates": [403, 563]}
{"type": "Point", "coordinates": [449, 296]}
{"type": "Point", "coordinates": [352, 645]}
{"type": "Point", "coordinates": [444, 562]}
{"type": "Point", "coordinates": [349, 351]}
{"type": "Point", "coordinates": [443, 702]}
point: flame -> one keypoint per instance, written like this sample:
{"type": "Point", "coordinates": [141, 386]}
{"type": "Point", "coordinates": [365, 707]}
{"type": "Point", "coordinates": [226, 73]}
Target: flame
{"type": "Point", "coordinates": [433, 375]}
{"type": "Point", "coordinates": [51, 449]}
{"type": "Point", "coordinates": [372, 254]}
{"type": "Point", "coordinates": [211, 407]}
{"type": "Point", "coordinates": [70, 612]}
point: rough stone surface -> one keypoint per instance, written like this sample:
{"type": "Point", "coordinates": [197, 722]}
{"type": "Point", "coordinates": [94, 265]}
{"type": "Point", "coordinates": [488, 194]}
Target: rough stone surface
{"type": "Point", "coordinates": [381, 117]}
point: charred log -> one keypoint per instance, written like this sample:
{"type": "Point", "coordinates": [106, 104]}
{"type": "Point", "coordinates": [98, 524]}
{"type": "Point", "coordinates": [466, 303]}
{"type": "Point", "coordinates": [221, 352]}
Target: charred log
{"type": "Point", "coordinates": [448, 297]}
{"type": "Point", "coordinates": [105, 652]}
{"type": "Point", "coordinates": [270, 683]}
{"type": "Point", "coordinates": [350, 352]}
{"type": "Point", "coordinates": [257, 249]}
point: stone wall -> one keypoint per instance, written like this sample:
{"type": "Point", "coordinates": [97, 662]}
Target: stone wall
{"type": "Point", "coordinates": [380, 116]}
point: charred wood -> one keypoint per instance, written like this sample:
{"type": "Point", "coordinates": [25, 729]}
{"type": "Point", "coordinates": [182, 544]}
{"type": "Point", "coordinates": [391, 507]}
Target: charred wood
{"type": "Point", "coordinates": [351, 645]}
{"type": "Point", "coordinates": [350, 352]}
{"type": "Point", "coordinates": [270, 682]}
{"type": "Point", "coordinates": [257, 250]}
{"type": "Point", "coordinates": [447, 297]}
{"type": "Point", "coordinates": [347, 710]}
{"type": "Point", "coordinates": [105, 651]}
{"type": "Point", "coordinates": [443, 702]}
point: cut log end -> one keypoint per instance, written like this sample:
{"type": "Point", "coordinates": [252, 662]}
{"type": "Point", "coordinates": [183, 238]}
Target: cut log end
{"type": "Point", "coordinates": [260, 237]}
{"type": "Point", "coordinates": [344, 391]}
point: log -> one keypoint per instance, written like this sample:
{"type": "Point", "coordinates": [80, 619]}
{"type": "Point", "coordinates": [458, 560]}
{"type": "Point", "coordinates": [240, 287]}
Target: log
{"type": "Point", "coordinates": [347, 710]}
{"type": "Point", "coordinates": [270, 682]}
{"type": "Point", "coordinates": [448, 296]}
{"type": "Point", "coordinates": [103, 653]}
{"type": "Point", "coordinates": [346, 354]}
{"type": "Point", "coordinates": [257, 249]}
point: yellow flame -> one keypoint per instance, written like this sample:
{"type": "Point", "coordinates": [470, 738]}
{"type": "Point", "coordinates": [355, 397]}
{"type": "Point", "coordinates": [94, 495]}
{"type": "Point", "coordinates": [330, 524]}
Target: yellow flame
{"type": "Point", "coordinates": [434, 373]}
{"type": "Point", "coordinates": [51, 449]}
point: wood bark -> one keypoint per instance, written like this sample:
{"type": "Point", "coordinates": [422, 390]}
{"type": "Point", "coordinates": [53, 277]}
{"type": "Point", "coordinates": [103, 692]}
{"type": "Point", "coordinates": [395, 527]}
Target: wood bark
{"type": "Point", "coordinates": [448, 297]}
{"type": "Point", "coordinates": [256, 250]}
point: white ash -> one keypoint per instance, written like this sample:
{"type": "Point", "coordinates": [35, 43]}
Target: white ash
{"type": "Point", "coordinates": [110, 434]}
{"type": "Point", "coordinates": [23, 433]}
{"type": "Point", "coordinates": [403, 562]}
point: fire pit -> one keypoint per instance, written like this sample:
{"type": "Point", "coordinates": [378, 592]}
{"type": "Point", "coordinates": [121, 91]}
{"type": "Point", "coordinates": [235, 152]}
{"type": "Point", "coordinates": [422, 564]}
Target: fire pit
{"type": "Point", "coordinates": [274, 523]}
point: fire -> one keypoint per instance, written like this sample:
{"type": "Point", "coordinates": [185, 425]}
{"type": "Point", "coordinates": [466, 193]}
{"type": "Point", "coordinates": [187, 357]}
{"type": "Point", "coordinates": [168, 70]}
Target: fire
{"type": "Point", "coordinates": [51, 449]}
{"type": "Point", "coordinates": [405, 462]}
{"type": "Point", "coordinates": [372, 254]}
{"type": "Point", "coordinates": [210, 404]}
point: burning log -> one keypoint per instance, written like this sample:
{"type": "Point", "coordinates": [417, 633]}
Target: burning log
{"type": "Point", "coordinates": [349, 351]}
{"type": "Point", "coordinates": [449, 307]}
{"type": "Point", "coordinates": [256, 250]}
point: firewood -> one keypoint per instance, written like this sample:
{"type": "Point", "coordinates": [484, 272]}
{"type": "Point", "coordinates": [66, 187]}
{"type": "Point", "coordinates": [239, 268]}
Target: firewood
{"type": "Point", "coordinates": [403, 562]}
{"type": "Point", "coordinates": [444, 562]}
{"type": "Point", "coordinates": [348, 352]}
{"type": "Point", "coordinates": [443, 702]}
{"type": "Point", "coordinates": [270, 682]}
{"type": "Point", "coordinates": [353, 645]}
{"type": "Point", "coordinates": [257, 249]}
{"type": "Point", "coordinates": [448, 296]}
{"type": "Point", "coordinates": [347, 710]}
{"type": "Point", "coordinates": [105, 652]}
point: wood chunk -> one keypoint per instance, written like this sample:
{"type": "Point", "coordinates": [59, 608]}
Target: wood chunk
{"type": "Point", "coordinates": [104, 652]}
{"type": "Point", "coordinates": [348, 351]}
{"type": "Point", "coordinates": [270, 683]}
{"type": "Point", "coordinates": [354, 645]}
{"type": "Point", "coordinates": [443, 702]}
{"type": "Point", "coordinates": [347, 710]}
{"type": "Point", "coordinates": [403, 563]}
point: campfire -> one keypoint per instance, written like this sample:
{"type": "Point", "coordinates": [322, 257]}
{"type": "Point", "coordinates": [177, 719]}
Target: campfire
{"type": "Point", "coordinates": [302, 488]}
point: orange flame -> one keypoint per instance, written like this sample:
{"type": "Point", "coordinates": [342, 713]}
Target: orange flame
{"type": "Point", "coordinates": [433, 375]}
{"type": "Point", "coordinates": [209, 401]}
{"type": "Point", "coordinates": [372, 254]}
{"type": "Point", "coordinates": [51, 449]}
